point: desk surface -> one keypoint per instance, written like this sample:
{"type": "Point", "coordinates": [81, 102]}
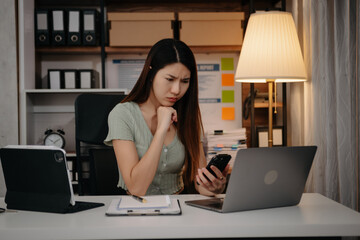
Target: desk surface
{"type": "Point", "coordinates": [316, 215]}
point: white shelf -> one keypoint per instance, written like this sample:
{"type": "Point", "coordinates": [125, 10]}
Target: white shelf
{"type": "Point", "coordinates": [71, 154]}
{"type": "Point", "coordinates": [91, 90]}
{"type": "Point", "coordinates": [55, 109]}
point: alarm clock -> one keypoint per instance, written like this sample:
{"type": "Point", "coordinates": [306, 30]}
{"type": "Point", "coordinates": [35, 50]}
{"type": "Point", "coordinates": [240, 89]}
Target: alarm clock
{"type": "Point", "coordinates": [53, 138]}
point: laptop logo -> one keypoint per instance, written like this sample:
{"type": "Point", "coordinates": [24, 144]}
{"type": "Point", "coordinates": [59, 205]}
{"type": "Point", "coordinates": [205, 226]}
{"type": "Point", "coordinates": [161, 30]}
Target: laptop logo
{"type": "Point", "coordinates": [58, 157]}
{"type": "Point", "coordinates": [271, 177]}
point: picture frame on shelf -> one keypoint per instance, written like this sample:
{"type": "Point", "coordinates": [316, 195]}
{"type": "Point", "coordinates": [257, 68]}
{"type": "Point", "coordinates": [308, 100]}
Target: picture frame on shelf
{"type": "Point", "coordinates": [262, 136]}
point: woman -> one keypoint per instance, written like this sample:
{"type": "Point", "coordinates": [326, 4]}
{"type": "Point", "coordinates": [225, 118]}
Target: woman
{"type": "Point", "coordinates": [156, 129]}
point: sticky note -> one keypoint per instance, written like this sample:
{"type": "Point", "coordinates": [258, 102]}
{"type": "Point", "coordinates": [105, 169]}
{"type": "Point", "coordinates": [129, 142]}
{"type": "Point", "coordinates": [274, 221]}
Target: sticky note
{"type": "Point", "coordinates": [227, 64]}
{"type": "Point", "coordinates": [227, 96]}
{"type": "Point", "coordinates": [228, 113]}
{"type": "Point", "coordinates": [227, 79]}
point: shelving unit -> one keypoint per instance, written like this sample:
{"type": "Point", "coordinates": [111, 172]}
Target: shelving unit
{"type": "Point", "coordinates": [68, 50]}
{"type": "Point", "coordinates": [260, 117]}
{"type": "Point", "coordinates": [195, 49]}
{"type": "Point", "coordinates": [41, 108]}
{"type": "Point", "coordinates": [130, 50]}
{"type": "Point", "coordinates": [44, 108]}
{"type": "Point", "coordinates": [266, 105]}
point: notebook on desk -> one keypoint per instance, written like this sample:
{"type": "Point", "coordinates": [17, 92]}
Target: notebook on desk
{"type": "Point", "coordinates": [264, 178]}
{"type": "Point", "coordinates": [37, 179]}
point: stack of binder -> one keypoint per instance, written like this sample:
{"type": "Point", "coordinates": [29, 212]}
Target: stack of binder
{"type": "Point", "coordinates": [66, 27]}
{"type": "Point", "coordinates": [225, 142]}
{"type": "Point", "coordinates": [71, 78]}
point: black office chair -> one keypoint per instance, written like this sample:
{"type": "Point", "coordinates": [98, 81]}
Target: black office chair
{"type": "Point", "coordinates": [96, 163]}
{"type": "Point", "coordinates": [104, 174]}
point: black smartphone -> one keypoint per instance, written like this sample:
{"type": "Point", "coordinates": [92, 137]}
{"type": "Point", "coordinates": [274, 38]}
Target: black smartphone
{"type": "Point", "coordinates": [220, 161]}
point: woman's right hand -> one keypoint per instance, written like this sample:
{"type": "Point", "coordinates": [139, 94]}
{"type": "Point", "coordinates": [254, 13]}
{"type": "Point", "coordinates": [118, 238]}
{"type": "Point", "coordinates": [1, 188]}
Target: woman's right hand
{"type": "Point", "coordinates": [165, 117]}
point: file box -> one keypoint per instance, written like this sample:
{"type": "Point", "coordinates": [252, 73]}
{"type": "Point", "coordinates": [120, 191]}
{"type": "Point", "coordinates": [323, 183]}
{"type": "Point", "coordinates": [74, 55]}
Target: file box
{"type": "Point", "coordinates": [139, 29]}
{"type": "Point", "coordinates": [212, 29]}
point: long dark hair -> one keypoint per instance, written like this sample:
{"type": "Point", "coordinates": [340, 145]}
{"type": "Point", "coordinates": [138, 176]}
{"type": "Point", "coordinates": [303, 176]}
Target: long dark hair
{"type": "Point", "coordinates": [189, 125]}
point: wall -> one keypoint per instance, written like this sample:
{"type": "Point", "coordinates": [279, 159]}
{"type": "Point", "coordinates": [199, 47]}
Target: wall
{"type": "Point", "coordinates": [8, 79]}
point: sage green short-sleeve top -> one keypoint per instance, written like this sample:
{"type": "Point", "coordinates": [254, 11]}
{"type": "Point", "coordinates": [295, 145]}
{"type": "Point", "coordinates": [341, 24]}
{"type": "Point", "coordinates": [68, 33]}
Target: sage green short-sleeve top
{"type": "Point", "coordinates": [126, 122]}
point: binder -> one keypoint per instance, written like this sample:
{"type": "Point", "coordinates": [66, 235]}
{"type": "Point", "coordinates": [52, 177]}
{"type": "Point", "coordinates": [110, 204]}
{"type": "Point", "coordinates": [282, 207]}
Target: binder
{"type": "Point", "coordinates": [74, 26]}
{"type": "Point", "coordinates": [86, 78]}
{"type": "Point", "coordinates": [58, 28]}
{"type": "Point", "coordinates": [70, 79]}
{"type": "Point", "coordinates": [90, 27]}
{"type": "Point", "coordinates": [42, 32]}
{"type": "Point", "coordinates": [55, 79]}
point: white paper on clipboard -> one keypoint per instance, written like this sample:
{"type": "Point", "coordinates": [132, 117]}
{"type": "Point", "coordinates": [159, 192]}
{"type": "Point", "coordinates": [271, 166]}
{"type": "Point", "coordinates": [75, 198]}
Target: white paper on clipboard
{"type": "Point", "coordinates": [154, 201]}
{"type": "Point", "coordinates": [172, 209]}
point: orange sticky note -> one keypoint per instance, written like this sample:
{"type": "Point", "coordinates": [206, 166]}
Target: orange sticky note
{"type": "Point", "coordinates": [227, 79]}
{"type": "Point", "coordinates": [228, 113]}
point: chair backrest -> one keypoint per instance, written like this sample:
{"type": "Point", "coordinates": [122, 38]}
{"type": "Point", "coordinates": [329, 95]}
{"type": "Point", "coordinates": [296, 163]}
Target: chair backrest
{"type": "Point", "coordinates": [91, 114]}
{"type": "Point", "coordinates": [91, 128]}
{"type": "Point", "coordinates": [105, 174]}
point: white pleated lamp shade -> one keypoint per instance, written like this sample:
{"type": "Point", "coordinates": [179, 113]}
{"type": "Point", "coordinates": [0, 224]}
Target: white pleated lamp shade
{"type": "Point", "coordinates": [271, 50]}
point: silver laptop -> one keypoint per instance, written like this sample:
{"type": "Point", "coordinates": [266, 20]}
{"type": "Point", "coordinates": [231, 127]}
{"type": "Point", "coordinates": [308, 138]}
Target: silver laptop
{"type": "Point", "coordinates": [264, 178]}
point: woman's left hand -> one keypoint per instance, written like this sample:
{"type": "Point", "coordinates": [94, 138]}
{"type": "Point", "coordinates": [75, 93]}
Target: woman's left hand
{"type": "Point", "coordinates": [215, 184]}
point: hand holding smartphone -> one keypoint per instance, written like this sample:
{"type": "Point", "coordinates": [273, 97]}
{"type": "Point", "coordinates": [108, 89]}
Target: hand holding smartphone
{"type": "Point", "coordinates": [220, 161]}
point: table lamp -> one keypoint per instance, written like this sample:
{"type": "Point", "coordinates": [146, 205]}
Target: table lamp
{"type": "Point", "coordinates": [270, 54]}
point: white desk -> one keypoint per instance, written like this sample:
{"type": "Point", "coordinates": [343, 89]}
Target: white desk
{"type": "Point", "coordinates": [314, 216]}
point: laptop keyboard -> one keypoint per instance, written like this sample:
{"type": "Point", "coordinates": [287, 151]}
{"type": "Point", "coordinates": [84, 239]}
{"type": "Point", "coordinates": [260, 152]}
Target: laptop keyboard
{"type": "Point", "coordinates": [215, 204]}
{"type": "Point", "coordinates": [81, 206]}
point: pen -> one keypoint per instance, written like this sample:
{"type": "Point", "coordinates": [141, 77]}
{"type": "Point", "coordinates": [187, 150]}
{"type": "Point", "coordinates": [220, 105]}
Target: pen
{"type": "Point", "coordinates": [140, 199]}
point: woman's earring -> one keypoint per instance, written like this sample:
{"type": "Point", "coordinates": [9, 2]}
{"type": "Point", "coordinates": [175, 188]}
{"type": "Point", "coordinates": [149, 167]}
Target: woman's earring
{"type": "Point", "coordinates": [150, 67]}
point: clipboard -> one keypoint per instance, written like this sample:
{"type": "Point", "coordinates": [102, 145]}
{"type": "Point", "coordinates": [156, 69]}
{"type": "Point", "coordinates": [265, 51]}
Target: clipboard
{"type": "Point", "coordinates": [114, 210]}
